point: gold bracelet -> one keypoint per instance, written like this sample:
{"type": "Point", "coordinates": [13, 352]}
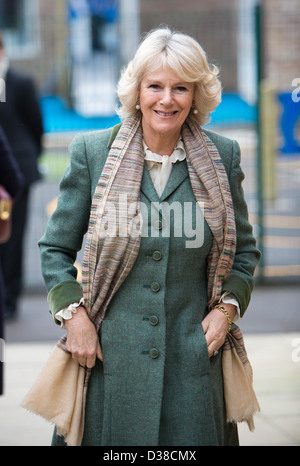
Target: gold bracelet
{"type": "Point", "coordinates": [222, 309]}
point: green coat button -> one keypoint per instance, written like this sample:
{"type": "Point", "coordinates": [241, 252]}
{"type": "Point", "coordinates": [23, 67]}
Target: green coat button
{"type": "Point", "coordinates": [156, 255]}
{"type": "Point", "coordinates": [154, 353]}
{"type": "Point", "coordinates": [158, 225]}
{"type": "Point", "coordinates": [153, 320]}
{"type": "Point", "coordinates": [155, 286]}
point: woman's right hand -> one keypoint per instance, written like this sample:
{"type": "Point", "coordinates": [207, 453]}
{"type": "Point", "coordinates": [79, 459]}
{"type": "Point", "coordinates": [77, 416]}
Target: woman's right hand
{"type": "Point", "coordinates": [82, 339]}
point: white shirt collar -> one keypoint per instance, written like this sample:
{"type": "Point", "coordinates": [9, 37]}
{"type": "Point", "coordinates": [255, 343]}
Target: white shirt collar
{"type": "Point", "coordinates": [4, 65]}
{"type": "Point", "coordinates": [177, 155]}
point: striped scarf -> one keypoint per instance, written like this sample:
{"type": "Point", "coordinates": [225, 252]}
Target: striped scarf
{"type": "Point", "coordinates": [109, 259]}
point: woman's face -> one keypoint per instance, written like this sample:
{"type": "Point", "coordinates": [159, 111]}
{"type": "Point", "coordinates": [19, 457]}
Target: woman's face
{"type": "Point", "coordinates": [165, 102]}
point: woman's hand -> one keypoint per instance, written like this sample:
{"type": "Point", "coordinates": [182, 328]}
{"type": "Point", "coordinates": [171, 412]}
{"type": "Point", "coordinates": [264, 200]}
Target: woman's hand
{"type": "Point", "coordinates": [82, 339]}
{"type": "Point", "coordinates": [215, 326]}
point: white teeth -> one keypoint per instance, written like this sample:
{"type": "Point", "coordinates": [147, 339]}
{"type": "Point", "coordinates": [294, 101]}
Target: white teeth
{"type": "Point", "coordinates": [165, 114]}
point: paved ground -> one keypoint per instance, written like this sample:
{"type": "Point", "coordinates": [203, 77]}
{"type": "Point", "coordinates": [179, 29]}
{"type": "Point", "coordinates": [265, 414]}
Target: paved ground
{"type": "Point", "coordinates": [272, 333]}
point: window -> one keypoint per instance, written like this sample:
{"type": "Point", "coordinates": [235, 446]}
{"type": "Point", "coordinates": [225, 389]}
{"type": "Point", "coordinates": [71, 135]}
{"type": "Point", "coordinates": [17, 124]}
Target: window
{"type": "Point", "coordinates": [19, 21]}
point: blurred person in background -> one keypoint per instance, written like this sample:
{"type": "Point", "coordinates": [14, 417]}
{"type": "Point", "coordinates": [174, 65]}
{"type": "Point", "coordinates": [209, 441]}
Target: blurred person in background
{"type": "Point", "coordinates": [12, 180]}
{"type": "Point", "coordinates": [151, 330]}
{"type": "Point", "coordinates": [21, 120]}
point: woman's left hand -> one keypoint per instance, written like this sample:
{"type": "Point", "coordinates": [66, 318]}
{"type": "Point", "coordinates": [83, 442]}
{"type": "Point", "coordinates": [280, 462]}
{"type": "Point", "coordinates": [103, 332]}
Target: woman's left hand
{"type": "Point", "coordinates": [215, 326]}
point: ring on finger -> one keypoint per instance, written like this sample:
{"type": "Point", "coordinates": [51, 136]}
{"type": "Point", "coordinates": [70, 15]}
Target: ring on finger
{"type": "Point", "coordinates": [216, 352]}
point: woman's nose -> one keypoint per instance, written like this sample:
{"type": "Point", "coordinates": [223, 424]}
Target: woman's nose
{"type": "Point", "coordinates": [167, 97]}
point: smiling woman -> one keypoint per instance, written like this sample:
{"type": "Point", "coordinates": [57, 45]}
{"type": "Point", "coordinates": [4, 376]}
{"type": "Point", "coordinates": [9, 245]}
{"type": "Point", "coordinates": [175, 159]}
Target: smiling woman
{"type": "Point", "coordinates": [149, 354]}
{"type": "Point", "coordinates": [164, 49]}
{"type": "Point", "coordinates": [165, 102]}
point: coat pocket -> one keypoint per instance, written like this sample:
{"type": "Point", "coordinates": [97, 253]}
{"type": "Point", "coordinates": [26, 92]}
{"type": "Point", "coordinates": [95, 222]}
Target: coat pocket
{"type": "Point", "coordinates": [201, 349]}
{"type": "Point", "coordinates": [106, 335]}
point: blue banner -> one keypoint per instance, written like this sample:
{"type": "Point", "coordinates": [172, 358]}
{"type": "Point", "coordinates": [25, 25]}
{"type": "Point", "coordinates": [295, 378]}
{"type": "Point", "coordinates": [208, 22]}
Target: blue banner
{"type": "Point", "coordinates": [106, 9]}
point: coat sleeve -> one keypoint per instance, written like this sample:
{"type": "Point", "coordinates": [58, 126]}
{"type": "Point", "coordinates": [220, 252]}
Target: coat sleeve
{"type": "Point", "coordinates": [240, 281]}
{"type": "Point", "coordinates": [65, 231]}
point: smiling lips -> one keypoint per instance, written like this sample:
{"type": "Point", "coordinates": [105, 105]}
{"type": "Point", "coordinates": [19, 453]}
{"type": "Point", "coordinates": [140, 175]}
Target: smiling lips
{"type": "Point", "coordinates": [165, 114]}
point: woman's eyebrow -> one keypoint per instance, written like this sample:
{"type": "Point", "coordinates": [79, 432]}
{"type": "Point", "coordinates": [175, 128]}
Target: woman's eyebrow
{"type": "Point", "coordinates": [157, 81]}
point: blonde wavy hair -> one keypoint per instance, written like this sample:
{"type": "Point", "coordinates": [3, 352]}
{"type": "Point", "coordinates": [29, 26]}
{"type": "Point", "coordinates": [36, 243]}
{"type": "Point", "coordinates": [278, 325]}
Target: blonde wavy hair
{"type": "Point", "coordinates": [163, 48]}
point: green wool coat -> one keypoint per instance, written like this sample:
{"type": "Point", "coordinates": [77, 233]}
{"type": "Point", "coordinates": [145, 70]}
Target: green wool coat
{"type": "Point", "coordinates": [157, 384]}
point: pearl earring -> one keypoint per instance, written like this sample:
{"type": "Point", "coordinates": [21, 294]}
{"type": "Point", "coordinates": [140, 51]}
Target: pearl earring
{"type": "Point", "coordinates": [195, 111]}
{"type": "Point", "coordinates": [137, 107]}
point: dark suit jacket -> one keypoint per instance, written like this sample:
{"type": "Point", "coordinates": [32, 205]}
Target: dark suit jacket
{"type": "Point", "coordinates": [12, 180]}
{"type": "Point", "coordinates": [10, 176]}
{"type": "Point", "coordinates": [21, 120]}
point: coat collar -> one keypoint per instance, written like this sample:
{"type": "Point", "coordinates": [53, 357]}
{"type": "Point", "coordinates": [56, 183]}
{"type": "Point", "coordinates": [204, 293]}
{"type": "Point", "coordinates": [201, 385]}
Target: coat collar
{"type": "Point", "coordinates": [178, 174]}
{"type": "Point", "coordinates": [113, 134]}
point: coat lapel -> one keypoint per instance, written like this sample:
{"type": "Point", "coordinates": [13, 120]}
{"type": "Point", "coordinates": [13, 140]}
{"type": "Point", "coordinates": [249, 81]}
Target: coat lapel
{"type": "Point", "coordinates": [178, 174]}
{"type": "Point", "coordinates": [147, 186]}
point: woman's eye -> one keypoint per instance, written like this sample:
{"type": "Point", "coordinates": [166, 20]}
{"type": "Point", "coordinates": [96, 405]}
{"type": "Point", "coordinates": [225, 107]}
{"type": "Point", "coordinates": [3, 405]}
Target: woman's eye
{"type": "Point", "coordinates": [154, 86]}
{"type": "Point", "coordinates": [181, 88]}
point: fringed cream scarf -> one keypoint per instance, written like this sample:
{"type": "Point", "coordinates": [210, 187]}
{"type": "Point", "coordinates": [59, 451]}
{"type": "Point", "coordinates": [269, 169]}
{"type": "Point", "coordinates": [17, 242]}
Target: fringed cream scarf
{"type": "Point", "coordinates": [60, 391]}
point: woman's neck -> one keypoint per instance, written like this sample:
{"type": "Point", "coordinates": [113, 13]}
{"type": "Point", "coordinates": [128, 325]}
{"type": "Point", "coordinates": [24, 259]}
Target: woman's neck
{"type": "Point", "coordinates": [162, 144]}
